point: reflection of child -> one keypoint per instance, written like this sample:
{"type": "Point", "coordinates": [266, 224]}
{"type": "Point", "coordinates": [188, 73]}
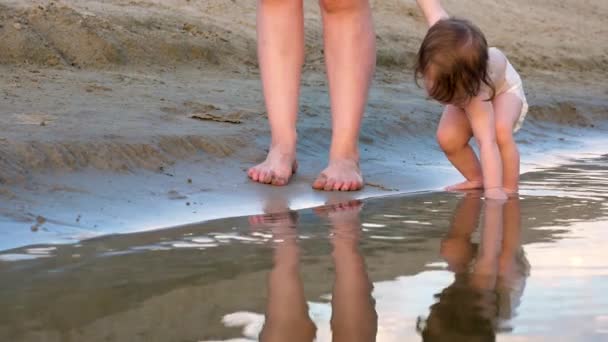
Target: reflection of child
{"type": "Point", "coordinates": [509, 291]}
{"type": "Point", "coordinates": [489, 278]}
{"type": "Point", "coordinates": [483, 98]}
{"type": "Point", "coordinates": [513, 266]}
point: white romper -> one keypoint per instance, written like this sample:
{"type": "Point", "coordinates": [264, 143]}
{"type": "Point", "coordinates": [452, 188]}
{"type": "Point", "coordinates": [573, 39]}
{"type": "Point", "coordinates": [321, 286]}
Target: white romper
{"type": "Point", "coordinates": [514, 85]}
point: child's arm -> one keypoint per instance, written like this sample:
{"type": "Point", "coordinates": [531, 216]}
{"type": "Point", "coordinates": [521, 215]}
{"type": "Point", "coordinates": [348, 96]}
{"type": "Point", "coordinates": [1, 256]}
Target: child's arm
{"type": "Point", "coordinates": [433, 12]}
{"type": "Point", "coordinates": [481, 116]}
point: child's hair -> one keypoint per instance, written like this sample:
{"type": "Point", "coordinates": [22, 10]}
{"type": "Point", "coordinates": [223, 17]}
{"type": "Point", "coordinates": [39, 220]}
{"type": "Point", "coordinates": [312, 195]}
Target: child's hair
{"type": "Point", "coordinates": [461, 313]}
{"type": "Point", "coordinates": [457, 52]}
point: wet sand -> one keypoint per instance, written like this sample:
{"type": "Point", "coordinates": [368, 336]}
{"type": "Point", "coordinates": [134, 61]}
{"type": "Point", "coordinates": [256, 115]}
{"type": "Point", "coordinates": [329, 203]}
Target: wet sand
{"type": "Point", "coordinates": [97, 99]}
{"type": "Point", "coordinates": [179, 284]}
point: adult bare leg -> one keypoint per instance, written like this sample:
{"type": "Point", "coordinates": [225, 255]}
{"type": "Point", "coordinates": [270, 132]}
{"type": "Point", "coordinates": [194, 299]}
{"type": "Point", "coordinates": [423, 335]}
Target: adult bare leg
{"type": "Point", "coordinates": [280, 28]}
{"type": "Point", "coordinates": [350, 55]}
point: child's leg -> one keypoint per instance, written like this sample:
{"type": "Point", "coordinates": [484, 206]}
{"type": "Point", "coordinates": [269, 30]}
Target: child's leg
{"type": "Point", "coordinates": [453, 136]}
{"type": "Point", "coordinates": [507, 108]}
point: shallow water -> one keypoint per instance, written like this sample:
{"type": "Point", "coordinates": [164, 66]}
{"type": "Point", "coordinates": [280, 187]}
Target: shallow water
{"type": "Point", "coordinates": [444, 267]}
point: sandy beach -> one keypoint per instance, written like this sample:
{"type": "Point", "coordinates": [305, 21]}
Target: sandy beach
{"type": "Point", "coordinates": [122, 116]}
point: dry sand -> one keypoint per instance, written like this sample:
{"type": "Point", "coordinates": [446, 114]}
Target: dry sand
{"type": "Point", "coordinates": [97, 99]}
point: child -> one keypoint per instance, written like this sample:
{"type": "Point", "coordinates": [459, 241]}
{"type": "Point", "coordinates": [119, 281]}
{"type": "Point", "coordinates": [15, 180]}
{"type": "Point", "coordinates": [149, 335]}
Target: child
{"type": "Point", "coordinates": [483, 98]}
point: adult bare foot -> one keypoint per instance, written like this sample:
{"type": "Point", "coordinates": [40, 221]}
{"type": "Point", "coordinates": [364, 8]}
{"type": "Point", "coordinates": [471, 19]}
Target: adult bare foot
{"type": "Point", "coordinates": [466, 185]}
{"type": "Point", "coordinates": [340, 175]}
{"type": "Point", "coordinates": [277, 169]}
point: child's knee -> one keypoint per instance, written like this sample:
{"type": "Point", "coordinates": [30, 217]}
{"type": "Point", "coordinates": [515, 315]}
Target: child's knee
{"type": "Point", "coordinates": [448, 141]}
{"type": "Point", "coordinates": [504, 134]}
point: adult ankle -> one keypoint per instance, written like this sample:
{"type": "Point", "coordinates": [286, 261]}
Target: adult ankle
{"type": "Point", "coordinates": [351, 155]}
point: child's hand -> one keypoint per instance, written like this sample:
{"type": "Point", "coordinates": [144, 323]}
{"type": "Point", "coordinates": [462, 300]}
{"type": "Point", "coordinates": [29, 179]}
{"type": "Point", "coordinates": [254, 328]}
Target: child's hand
{"type": "Point", "coordinates": [495, 194]}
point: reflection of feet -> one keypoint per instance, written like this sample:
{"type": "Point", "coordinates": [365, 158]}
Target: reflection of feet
{"type": "Point", "coordinates": [334, 210]}
{"type": "Point", "coordinates": [344, 218]}
{"type": "Point", "coordinates": [277, 169]}
{"type": "Point", "coordinates": [340, 175]}
{"type": "Point", "coordinates": [282, 226]}
{"type": "Point", "coordinates": [466, 185]}
{"type": "Point", "coordinates": [267, 220]}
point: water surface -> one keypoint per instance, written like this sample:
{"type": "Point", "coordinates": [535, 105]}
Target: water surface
{"type": "Point", "coordinates": [426, 267]}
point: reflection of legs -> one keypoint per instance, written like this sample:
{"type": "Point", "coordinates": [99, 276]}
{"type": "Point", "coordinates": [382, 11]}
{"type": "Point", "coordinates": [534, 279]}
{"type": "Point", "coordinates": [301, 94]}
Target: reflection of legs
{"type": "Point", "coordinates": [453, 135]}
{"type": "Point", "coordinates": [287, 312]}
{"type": "Point", "coordinates": [350, 59]}
{"type": "Point", "coordinates": [354, 317]}
{"type": "Point", "coordinates": [466, 215]}
{"type": "Point", "coordinates": [456, 247]}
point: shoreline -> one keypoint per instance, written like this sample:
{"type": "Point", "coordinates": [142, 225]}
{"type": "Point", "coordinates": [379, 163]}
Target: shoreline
{"type": "Point", "coordinates": [97, 135]}
{"type": "Point", "coordinates": [253, 199]}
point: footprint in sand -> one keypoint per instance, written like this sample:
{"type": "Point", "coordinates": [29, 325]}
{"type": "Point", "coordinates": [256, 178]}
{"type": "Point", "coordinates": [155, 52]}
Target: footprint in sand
{"type": "Point", "coordinates": [174, 195]}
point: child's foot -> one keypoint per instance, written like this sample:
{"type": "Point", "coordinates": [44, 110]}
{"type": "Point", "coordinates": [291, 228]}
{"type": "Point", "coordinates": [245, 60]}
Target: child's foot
{"type": "Point", "coordinates": [466, 185]}
{"type": "Point", "coordinates": [340, 175]}
{"type": "Point", "coordinates": [511, 192]}
{"type": "Point", "coordinates": [277, 169]}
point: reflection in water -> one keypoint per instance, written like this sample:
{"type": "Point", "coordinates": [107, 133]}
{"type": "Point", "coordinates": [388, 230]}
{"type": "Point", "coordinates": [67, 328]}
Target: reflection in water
{"type": "Point", "coordinates": [287, 315]}
{"type": "Point", "coordinates": [489, 277]}
{"type": "Point", "coordinates": [206, 282]}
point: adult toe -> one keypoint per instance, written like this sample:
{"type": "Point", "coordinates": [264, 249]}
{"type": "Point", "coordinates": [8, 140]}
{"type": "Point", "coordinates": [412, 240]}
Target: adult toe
{"type": "Point", "coordinates": [320, 182]}
{"type": "Point", "coordinates": [278, 181]}
{"type": "Point", "coordinates": [329, 185]}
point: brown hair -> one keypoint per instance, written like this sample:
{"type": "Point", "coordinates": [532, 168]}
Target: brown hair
{"type": "Point", "coordinates": [457, 51]}
{"type": "Point", "coordinates": [461, 313]}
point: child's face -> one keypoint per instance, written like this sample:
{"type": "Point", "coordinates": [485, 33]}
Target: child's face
{"type": "Point", "coordinates": [429, 81]}
{"type": "Point", "coordinates": [430, 77]}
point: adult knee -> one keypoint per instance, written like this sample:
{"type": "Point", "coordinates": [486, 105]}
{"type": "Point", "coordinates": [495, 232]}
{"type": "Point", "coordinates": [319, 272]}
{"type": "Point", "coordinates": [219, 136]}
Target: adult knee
{"type": "Point", "coordinates": [449, 140]}
{"type": "Point", "coordinates": [276, 2]}
{"type": "Point", "coordinates": [336, 6]}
